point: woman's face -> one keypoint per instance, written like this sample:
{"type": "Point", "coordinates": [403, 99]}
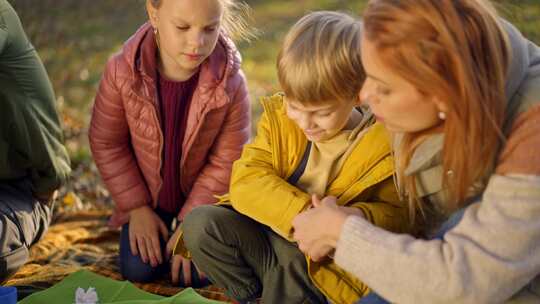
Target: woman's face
{"type": "Point", "coordinates": [394, 101]}
{"type": "Point", "coordinates": [188, 31]}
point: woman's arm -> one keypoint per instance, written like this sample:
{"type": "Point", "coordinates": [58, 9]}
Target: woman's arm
{"type": "Point", "coordinates": [486, 258]}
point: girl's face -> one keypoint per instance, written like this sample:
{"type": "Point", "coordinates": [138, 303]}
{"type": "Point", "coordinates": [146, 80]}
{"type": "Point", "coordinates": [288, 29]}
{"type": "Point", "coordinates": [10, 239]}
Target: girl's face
{"type": "Point", "coordinates": [394, 101]}
{"type": "Point", "coordinates": [188, 31]}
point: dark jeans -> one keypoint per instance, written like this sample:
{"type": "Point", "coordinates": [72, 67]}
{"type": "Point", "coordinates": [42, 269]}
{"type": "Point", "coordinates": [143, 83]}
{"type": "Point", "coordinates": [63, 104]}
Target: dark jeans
{"type": "Point", "coordinates": [134, 269]}
{"type": "Point", "coordinates": [374, 298]}
{"type": "Point", "coordinates": [247, 258]}
{"type": "Point", "coordinates": [23, 221]}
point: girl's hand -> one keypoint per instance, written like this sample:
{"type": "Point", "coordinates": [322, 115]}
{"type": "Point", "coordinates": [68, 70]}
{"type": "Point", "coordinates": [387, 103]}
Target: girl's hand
{"type": "Point", "coordinates": [179, 263]}
{"type": "Point", "coordinates": [144, 228]}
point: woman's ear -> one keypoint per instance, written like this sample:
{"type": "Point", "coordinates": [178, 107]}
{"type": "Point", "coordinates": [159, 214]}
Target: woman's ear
{"type": "Point", "coordinates": [440, 105]}
{"type": "Point", "coordinates": [152, 13]}
{"type": "Point", "coordinates": [358, 99]}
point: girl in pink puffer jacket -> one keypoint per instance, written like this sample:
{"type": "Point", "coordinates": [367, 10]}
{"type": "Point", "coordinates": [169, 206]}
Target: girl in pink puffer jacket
{"type": "Point", "coordinates": [171, 115]}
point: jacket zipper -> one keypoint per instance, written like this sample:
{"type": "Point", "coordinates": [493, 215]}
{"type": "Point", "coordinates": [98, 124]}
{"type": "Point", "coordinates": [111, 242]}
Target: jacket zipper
{"type": "Point", "coordinates": [157, 117]}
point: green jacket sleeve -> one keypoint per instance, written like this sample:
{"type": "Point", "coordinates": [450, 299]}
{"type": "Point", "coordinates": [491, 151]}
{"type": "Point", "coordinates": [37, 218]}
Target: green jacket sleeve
{"type": "Point", "coordinates": [32, 135]}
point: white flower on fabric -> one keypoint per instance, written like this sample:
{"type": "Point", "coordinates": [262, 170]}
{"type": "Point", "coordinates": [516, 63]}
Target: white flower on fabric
{"type": "Point", "coordinates": [86, 297]}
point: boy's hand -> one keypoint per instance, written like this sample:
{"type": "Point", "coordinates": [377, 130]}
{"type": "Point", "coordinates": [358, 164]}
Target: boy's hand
{"type": "Point", "coordinates": [144, 228]}
{"type": "Point", "coordinates": [315, 200]}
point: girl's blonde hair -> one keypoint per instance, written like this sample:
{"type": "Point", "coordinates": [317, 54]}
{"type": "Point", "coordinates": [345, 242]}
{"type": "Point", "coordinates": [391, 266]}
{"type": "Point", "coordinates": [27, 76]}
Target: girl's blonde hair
{"type": "Point", "coordinates": [456, 51]}
{"type": "Point", "coordinates": [320, 59]}
{"type": "Point", "coordinates": [235, 19]}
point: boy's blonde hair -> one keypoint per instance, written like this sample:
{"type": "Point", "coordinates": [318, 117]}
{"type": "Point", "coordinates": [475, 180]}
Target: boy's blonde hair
{"type": "Point", "coordinates": [320, 59]}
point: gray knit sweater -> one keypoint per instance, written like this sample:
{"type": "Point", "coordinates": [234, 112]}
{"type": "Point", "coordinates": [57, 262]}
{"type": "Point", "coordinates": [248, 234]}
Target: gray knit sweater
{"type": "Point", "coordinates": [489, 256]}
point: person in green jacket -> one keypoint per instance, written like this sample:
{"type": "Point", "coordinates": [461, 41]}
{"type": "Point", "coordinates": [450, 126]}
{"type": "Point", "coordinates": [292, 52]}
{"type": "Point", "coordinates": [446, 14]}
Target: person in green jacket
{"type": "Point", "coordinates": [33, 160]}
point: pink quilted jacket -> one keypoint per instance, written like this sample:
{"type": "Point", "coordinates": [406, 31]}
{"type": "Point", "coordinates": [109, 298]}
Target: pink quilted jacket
{"type": "Point", "coordinates": [126, 138]}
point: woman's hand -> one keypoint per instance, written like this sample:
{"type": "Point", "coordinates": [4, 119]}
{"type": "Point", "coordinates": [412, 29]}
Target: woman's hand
{"type": "Point", "coordinates": [144, 229]}
{"type": "Point", "coordinates": [179, 263]}
{"type": "Point", "coordinates": [317, 229]}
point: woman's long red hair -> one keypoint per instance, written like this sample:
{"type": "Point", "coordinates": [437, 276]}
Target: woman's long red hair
{"type": "Point", "coordinates": [456, 51]}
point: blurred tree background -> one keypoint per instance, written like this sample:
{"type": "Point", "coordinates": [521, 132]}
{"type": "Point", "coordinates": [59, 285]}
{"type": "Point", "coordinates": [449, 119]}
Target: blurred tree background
{"type": "Point", "coordinates": [75, 37]}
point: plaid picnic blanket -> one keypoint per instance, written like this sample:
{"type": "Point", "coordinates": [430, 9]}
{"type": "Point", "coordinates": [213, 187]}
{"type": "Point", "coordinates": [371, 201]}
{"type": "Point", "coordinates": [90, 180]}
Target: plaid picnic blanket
{"type": "Point", "coordinates": [82, 240]}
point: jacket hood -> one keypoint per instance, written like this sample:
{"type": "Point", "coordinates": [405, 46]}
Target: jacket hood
{"type": "Point", "coordinates": [140, 49]}
{"type": "Point", "coordinates": [525, 60]}
{"type": "Point", "coordinates": [523, 74]}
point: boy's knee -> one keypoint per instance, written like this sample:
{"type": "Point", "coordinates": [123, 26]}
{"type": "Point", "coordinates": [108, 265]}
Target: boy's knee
{"type": "Point", "coordinates": [205, 226]}
{"type": "Point", "coordinates": [288, 255]}
{"type": "Point", "coordinates": [198, 223]}
{"type": "Point", "coordinates": [198, 217]}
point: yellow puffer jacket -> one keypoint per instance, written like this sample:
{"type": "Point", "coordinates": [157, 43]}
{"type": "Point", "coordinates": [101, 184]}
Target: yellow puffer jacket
{"type": "Point", "coordinates": [259, 188]}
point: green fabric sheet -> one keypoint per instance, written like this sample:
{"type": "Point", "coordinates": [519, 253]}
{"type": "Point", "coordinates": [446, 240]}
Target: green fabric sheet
{"type": "Point", "coordinates": [109, 292]}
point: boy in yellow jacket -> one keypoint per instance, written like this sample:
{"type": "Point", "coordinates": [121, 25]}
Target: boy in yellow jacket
{"type": "Point", "coordinates": [312, 140]}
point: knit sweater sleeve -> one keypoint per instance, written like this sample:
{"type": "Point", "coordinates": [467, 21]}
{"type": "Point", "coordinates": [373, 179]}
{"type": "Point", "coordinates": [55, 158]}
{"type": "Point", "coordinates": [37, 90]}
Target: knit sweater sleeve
{"type": "Point", "coordinates": [487, 257]}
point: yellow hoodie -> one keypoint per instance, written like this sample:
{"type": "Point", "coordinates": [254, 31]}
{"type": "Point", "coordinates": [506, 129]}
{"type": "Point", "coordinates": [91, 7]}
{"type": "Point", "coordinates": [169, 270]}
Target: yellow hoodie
{"type": "Point", "coordinates": [259, 189]}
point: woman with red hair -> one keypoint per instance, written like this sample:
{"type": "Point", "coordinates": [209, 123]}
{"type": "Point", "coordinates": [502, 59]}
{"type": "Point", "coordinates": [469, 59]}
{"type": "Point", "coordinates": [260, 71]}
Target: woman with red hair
{"type": "Point", "coordinates": [460, 90]}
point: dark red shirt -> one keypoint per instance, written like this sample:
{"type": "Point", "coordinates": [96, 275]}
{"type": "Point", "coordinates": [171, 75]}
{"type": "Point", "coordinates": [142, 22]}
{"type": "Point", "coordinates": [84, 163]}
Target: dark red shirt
{"type": "Point", "coordinates": [175, 98]}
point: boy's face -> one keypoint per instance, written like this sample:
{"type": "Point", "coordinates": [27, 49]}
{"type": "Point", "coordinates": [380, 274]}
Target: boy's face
{"type": "Point", "coordinates": [320, 122]}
